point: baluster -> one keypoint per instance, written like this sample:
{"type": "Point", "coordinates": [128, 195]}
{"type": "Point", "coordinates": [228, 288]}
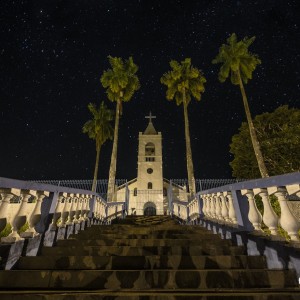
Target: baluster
{"type": "Point", "coordinates": [103, 209]}
{"type": "Point", "coordinates": [287, 220]}
{"type": "Point", "coordinates": [213, 206]}
{"type": "Point", "coordinates": [82, 213]}
{"type": "Point", "coordinates": [73, 205]}
{"type": "Point", "coordinates": [100, 208]}
{"type": "Point", "coordinates": [57, 213]}
{"type": "Point", "coordinates": [204, 208]}
{"type": "Point", "coordinates": [20, 217]}
{"type": "Point", "coordinates": [101, 204]}
{"type": "Point", "coordinates": [224, 208]}
{"type": "Point", "coordinates": [85, 210]}
{"type": "Point", "coordinates": [78, 209]}
{"type": "Point", "coordinates": [218, 207]}
{"type": "Point", "coordinates": [66, 211]}
{"type": "Point", "coordinates": [208, 211]}
{"type": "Point", "coordinates": [231, 210]}
{"type": "Point", "coordinates": [7, 195]}
{"type": "Point", "coordinates": [87, 206]}
{"type": "Point", "coordinates": [35, 216]}
{"type": "Point", "coordinates": [254, 215]}
{"type": "Point", "coordinates": [97, 208]}
{"type": "Point", "coordinates": [209, 207]}
{"type": "Point", "coordinates": [269, 217]}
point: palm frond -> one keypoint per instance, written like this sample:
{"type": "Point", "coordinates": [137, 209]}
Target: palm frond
{"type": "Point", "coordinates": [183, 77]}
{"type": "Point", "coordinates": [99, 128]}
{"type": "Point", "coordinates": [235, 57]}
{"type": "Point", "coordinates": [120, 81]}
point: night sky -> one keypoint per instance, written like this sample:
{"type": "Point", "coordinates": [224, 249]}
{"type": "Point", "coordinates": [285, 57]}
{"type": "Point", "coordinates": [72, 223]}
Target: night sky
{"type": "Point", "coordinates": [53, 53]}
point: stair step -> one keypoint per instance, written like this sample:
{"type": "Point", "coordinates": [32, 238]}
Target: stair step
{"type": "Point", "coordinates": [141, 242]}
{"type": "Point", "coordinates": [156, 294]}
{"type": "Point", "coordinates": [147, 279]}
{"type": "Point", "coordinates": [162, 235]}
{"type": "Point", "coordinates": [141, 262]}
{"type": "Point", "coordinates": [152, 259]}
{"type": "Point", "coordinates": [146, 250]}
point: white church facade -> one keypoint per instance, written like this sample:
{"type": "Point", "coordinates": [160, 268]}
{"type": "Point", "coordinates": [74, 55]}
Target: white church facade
{"type": "Point", "coordinates": [148, 192]}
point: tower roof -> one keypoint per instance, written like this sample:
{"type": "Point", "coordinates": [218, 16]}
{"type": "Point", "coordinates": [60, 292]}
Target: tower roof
{"type": "Point", "coordinates": [150, 128]}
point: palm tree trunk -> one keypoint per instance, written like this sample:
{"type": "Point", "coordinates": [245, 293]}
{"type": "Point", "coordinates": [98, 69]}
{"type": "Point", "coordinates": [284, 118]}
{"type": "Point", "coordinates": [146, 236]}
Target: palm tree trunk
{"type": "Point", "coordinates": [113, 160]}
{"type": "Point", "coordinates": [255, 143]}
{"type": "Point", "coordinates": [96, 169]}
{"type": "Point", "coordinates": [189, 159]}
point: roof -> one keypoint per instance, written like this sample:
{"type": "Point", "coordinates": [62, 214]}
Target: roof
{"type": "Point", "coordinates": [150, 129]}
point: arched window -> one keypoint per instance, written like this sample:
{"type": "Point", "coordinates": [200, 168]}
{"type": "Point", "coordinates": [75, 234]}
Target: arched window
{"type": "Point", "coordinates": [149, 149]}
{"type": "Point", "coordinates": [135, 192]}
{"type": "Point", "coordinates": [149, 185]}
{"type": "Point", "coordinates": [150, 152]}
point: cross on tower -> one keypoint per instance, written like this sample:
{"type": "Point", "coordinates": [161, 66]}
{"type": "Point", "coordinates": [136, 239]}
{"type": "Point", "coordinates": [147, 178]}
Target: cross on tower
{"type": "Point", "coordinates": [150, 117]}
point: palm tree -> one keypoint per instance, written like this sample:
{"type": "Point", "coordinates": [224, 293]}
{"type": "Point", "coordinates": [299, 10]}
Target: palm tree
{"type": "Point", "coordinates": [184, 82]}
{"type": "Point", "coordinates": [100, 130]}
{"type": "Point", "coordinates": [239, 63]}
{"type": "Point", "coordinates": [121, 83]}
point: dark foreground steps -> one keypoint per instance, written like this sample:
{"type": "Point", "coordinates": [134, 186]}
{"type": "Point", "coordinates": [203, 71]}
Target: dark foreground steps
{"type": "Point", "coordinates": [147, 258]}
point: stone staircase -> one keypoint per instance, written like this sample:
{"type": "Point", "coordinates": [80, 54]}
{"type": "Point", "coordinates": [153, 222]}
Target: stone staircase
{"type": "Point", "coordinates": [146, 258]}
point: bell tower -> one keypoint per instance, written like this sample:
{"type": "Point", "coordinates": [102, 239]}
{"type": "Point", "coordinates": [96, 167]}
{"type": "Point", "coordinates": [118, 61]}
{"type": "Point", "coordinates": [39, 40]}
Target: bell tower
{"type": "Point", "coordinates": [150, 175]}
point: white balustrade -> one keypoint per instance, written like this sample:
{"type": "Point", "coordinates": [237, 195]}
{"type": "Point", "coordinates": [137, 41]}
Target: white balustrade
{"type": "Point", "coordinates": [287, 220]}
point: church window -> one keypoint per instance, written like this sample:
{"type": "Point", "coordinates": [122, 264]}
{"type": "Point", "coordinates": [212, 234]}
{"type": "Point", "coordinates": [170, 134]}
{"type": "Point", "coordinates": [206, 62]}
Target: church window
{"type": "Point", "coordinates": [165, 192]}
{"type": "Point", "coordinates": [149, 185]}
{"type": "Point", "coordinates": [149, 171]}
{"type": "Point", "coordinates": [149, 149]}
{"type": "Point", "coordinates": [135, 192]}
{"type": "Point", "coordinates": [150, 158]}
{"type": "Point", "coordinates": [150, 152]}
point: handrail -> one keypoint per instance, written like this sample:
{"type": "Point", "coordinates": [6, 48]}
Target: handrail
{"type": "Point", "coordinates": [27, 204]}
{"type": "Point", "coordinates": [231, 211]}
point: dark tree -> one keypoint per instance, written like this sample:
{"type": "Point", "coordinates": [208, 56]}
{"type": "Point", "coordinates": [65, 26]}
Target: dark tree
{"type": "Point", "coordinates": [279, 135]}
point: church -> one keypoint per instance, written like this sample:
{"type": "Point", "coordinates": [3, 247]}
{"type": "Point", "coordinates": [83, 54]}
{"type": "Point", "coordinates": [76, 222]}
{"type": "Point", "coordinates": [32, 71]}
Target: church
{"type": "Point", "coordinates": [148, 192]}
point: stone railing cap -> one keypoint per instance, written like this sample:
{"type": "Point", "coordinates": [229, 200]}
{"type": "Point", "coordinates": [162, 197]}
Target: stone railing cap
{"type": "Point", "coordinates": [12, 191]}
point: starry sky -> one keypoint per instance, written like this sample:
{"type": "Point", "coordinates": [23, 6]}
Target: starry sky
{"type": "Point", "coordinates": [52, 55]}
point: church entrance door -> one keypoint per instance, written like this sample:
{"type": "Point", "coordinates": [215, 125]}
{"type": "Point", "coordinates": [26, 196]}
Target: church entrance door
{"type": "Point", "coordinates": [149, 209]}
